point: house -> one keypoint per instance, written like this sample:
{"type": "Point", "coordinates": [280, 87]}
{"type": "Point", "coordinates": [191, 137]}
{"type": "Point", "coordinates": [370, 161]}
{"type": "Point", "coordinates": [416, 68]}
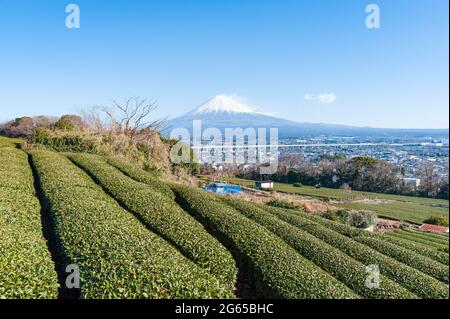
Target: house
{"type": "Point", "coordinates": [434, 228]}
{"type": "Point", "coordinates": [223, 189]}
{"type": "Point", "coordinates": [264, 185]}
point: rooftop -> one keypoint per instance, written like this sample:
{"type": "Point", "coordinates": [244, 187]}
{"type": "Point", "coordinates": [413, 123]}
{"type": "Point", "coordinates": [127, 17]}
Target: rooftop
{"type": "Point", "coordinates": [434, 228]}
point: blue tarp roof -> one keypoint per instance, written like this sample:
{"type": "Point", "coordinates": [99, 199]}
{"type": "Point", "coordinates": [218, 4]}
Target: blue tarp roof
{"type": "Point", "coordinates": [222, 188]}
{"type": "Point", "coordinates": [220, 184]}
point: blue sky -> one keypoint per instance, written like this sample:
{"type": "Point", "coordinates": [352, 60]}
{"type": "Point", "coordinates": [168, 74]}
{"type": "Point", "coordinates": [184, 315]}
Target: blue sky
{"type": "Point", "coordinates": [281, 56]}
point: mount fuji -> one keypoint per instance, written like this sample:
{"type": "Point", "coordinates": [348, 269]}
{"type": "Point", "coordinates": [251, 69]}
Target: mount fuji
{"type": "Point", "coordinates": [229, 111]}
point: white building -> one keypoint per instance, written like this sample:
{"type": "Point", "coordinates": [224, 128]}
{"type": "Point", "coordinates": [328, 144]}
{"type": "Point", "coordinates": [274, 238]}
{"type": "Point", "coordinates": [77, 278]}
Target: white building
{"type": "Point", "coordinates": [264, 185]}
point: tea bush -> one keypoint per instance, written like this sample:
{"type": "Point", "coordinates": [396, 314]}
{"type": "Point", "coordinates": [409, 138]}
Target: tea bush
{"type": "Point", "coordinates": [417, 282]}
{"type": "Point", "coordinates": [26, 266]}
{"type": "Point", "coordinates": [332, 260]}
{"type": "Point", "coordinates": [141, 175]}
{"type": "Point", "coordinates": [427, 236]}
{"type": "Point", "coordinates": [274, 267]}
{"type": "Point", "coordinates": [417, 239]}
{"type": "Point", "coordinates": [117, 256]}
{"type": "Point", "coordinates": [281, 203]}
{"type": "Point", "coordinates": [163, 216]}
{"type": "Point", "coordinates": [410, 258]}
{"type": "Point", "coordinates": [422, 263]}
{"type": "Point", "coordinates": [419, 248]}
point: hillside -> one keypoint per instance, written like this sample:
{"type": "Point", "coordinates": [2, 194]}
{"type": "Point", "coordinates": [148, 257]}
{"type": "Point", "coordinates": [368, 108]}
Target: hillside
{"type": "Point", "coordinates": [132, 234]}
{"type": "Point", "coordinates": [407, 208]}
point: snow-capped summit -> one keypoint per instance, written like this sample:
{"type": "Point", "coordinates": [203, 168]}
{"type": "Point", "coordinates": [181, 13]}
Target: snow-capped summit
{"type": "Point", "coordinates": [229, 111]}
{"type": "Point", "coordinates": [224, 103]}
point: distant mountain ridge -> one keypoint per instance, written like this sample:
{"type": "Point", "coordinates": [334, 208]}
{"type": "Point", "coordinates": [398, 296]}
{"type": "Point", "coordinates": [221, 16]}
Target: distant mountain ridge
{"type": "Point", "coordinates": [226, 111]}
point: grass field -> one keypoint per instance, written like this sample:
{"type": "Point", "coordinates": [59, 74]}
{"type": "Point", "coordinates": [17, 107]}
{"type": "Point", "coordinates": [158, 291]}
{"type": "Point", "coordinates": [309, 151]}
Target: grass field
{"type": "Point", "coordinates": [407, 208]}
{"type": "Point", "coordinates": [133, 236]}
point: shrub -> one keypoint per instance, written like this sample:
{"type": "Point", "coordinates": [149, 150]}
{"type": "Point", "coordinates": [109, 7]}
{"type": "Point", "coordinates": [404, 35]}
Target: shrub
{"type": "Point", "coordinates": [336, 226]}
{"type": "Point", "coordinates": [441, 237]}
{"type": "Point", "coordinates": [419, 248]}
{"type": "Point", "coordinates": [417, 239]}
{"type": "Point", "coordinates": [62, 141]}
{"type": "Point", "coordinates": [424, 264]}
{"type": "Point", "coordinates": [298, 184]}
{"type": "Point", "coordinates": [355, 218]}
{"type": "Point", "coordinates": [360, 218]}
{"type": "Point", "coordinates": [437, 220]}
{"type": "Point", "coordinates": [117, 256]}
{"type": "Point", "coordinates": [337, 216]}
{"type": "Point", "coordinates": [332, 260]}
{"type": "Point", "coordinates": [150, 168]}
{"type": "Point", "coordinates": [141, 175]}
{"type": "Point", "coordinates": [419, 283]}
{"type": "Point", "coordinates": [192, 165]}
{"type": "Point", "coordinates": [281, 203]}
{"type": "Point", "coordinates": [10, 142]}
{"type": "Point", "coordinates": [26, 267]}
{"type": "Point", "coordinates": [163, 216]}
{"type": "Point", "coordinates": [432, 237]}
{"type": "Point", "coordinates": [427, 236]}
{"type": "Point", "coordinates": [274, 267]}
{"type": "Point", "coordinates": [69, 122]}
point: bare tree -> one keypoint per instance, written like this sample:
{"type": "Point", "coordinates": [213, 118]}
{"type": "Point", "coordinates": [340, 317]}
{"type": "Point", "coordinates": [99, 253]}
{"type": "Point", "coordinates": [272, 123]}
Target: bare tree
{"type": "Point", "coordinates": [22, 126]}
{"type": "Point", "coordinates": [133, 116]}
{"type": "Point", "coordinates": [429, 178]}
{"type": "Point", "coordinates": [94, 119]}
{"type": "Point", "coordinates": [291, 161]}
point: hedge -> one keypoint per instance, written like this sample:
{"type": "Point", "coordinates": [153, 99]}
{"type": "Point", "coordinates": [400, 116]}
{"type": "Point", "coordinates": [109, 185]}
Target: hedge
{"type": "Point", "coordinates": [417, 282]}
{"type": "Point", "coordinates": [419, 248]}
{"type": "Point", "coordinates": [332, 260]}
{"type": "Point", "coordinates": [281, 203]}
{"type": "Point", "coordinates": [409, 236]}
{"type": "Point", "coordinates": [422, 263]}
{"type": "Point", "coordinates": [117, 256]}
{"type": "Point", "coordinates": [426, 236]}
{"type": "Point", "coordinates": [163, 216]}
{"type": "Point", "coordinates": [10, 142]}
{"type": "Point", "coordinates": [431, 234]}
{"type": "Point", "coordinates": [336, 226]}
{"type": "Point", "coordinates": [275, 268]}
{"type": "Point", "coordinates": [26, 266]}
{"type": "Point", "coordinates": [141, 175]}
{"type": "Point", "coordinates": [410, 258]}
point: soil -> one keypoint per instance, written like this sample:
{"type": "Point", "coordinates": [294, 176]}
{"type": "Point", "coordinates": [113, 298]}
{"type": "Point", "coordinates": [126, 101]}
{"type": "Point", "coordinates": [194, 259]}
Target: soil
{"type": "Point", "coordinates": [308, 205]}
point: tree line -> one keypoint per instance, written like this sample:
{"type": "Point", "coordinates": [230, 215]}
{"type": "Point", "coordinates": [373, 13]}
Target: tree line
{"type": "Point", "coordinates": [360, 173]}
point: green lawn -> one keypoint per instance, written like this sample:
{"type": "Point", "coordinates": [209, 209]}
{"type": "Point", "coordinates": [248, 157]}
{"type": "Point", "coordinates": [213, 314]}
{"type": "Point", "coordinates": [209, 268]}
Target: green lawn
{"type": "Point", "coordinates": [408, 208]}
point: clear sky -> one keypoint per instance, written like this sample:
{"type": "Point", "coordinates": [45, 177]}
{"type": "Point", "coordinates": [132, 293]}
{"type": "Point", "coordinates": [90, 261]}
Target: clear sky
{"type": "Point", "coordinates": [309, 61]}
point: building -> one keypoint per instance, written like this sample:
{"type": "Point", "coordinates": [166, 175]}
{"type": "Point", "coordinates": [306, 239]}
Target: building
{"type": "Point", "coordinates": [223, 189]}
{"type": "Point", "coordinates": [434, 228]}
{"type": "Point", "coordinates": [264, 185]}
